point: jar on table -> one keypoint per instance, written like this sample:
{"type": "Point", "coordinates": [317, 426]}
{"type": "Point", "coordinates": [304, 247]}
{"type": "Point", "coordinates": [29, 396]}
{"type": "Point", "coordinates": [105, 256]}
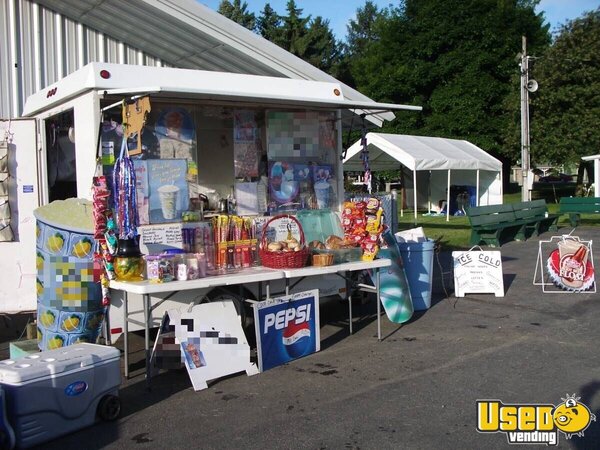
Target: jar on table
{"type": "Point", "coordinates": [129, 264]}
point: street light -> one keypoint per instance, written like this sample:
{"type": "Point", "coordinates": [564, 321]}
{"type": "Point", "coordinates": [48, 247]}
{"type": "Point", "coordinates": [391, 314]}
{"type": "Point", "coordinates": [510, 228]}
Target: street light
{"type": "Point", "coordinates": [527, 86]}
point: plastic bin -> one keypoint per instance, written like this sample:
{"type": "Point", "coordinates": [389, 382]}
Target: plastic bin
{"type": "Point", "coordinates": [418, 265]}
{"type": "Point", "coordinates": [69, 296]}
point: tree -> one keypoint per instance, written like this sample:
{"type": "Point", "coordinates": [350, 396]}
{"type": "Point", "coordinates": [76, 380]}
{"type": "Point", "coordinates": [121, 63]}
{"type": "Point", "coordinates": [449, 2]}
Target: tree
{"type": "Point", "coordinates": [293, 30]}
{"type": "Point", "coordinates": [238, 12]}
{"type": "Point", "coordinates": [362, 30]}
{"type": "Point", "coordinates": [567, 105]}
{"type": "Point", "coordinates": [269, 24]}
{"type": "Point", "coordinates": [456, 59]}
{"type": "Point", "coordinates": [321, 46]}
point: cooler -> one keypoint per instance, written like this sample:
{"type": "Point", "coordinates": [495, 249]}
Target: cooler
{"type": "Point", "coordinates": [57, 392]}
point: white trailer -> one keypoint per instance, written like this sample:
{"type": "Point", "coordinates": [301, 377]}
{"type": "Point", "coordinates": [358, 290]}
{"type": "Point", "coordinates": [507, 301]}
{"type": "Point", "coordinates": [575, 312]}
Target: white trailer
{"type": "Point", "coordinates": [71, 112]}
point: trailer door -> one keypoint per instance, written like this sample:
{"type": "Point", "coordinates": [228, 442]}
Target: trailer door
{"type": "Point", "coordinates": [20, 191]}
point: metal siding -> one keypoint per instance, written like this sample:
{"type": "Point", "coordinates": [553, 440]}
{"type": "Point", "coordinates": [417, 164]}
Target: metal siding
{"type": "Point", "coordinates": [5, 85]}
{"type": "Point", "coordinates": [50, 46]}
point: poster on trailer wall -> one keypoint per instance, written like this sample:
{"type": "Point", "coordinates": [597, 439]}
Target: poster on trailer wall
{"type": "Point", "coordinates": [287, 328]}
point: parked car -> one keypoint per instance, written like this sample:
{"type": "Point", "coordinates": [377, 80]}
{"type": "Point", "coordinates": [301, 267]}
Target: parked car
{"type": "Point", "coordinates": [557, 178]}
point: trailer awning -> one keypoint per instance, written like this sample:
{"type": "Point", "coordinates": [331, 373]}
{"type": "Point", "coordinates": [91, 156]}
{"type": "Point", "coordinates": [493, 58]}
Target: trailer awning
{"type": "Point", "coordinates": [121, 79]}
{"type": "Point", "coordinates": [188, 34]}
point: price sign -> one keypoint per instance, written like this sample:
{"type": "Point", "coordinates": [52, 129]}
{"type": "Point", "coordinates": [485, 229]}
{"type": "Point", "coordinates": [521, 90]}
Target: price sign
{"type": "Point", "coordinates": [478, 272]}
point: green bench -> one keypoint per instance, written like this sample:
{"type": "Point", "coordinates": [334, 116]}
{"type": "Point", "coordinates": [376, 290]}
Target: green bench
{"type": "Point", "coordinates": [495, 224]}
{"type": "Point", "coordinates": [535, 214]}
{"type": "Point", "coordinates": [575, 206]}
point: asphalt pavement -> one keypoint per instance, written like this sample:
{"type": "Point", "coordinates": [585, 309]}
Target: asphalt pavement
{"type": "Point", "coordinates": [416, 389]}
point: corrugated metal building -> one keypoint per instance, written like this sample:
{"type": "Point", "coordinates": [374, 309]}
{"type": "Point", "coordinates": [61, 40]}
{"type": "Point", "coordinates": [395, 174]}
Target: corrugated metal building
{"type": "Point", "coordinates": [45, 40]}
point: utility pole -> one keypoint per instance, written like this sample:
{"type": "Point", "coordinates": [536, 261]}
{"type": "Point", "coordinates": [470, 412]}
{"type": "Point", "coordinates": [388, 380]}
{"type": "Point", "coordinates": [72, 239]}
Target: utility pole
{"type": "Point", "coordinates": [524, 64]}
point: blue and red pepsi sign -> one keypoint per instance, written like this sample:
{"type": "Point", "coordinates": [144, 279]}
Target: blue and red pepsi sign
{"type": "Point", "coordinates": [287, 328]}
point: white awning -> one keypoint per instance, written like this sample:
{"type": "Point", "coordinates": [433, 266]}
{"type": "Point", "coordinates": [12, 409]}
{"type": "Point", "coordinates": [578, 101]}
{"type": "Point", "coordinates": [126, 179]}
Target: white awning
{"type": "Point", "coordinates": [419, 153]}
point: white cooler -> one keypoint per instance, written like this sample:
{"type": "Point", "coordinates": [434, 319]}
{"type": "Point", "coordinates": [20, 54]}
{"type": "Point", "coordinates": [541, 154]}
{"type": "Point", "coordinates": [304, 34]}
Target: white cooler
{"type": "Point", "coordinates": [56, 392]}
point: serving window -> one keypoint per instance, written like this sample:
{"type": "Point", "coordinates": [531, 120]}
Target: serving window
{"type": "Point", "coordinates": [261, 160]}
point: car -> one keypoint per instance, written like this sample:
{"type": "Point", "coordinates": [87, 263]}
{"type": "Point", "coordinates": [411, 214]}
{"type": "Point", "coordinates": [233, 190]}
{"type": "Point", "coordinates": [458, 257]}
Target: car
{"type": "Point", "coordinates": [557, 178]}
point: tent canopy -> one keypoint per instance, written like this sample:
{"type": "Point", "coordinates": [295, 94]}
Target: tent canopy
{"type": "Point", "coordinates": [435, 163]}
{"type": "Point", "coordinates": [419, 153]}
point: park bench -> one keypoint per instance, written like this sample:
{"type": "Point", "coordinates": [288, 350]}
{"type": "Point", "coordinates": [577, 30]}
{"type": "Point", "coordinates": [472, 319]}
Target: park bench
{"type": "Point", "coordinates": [535, 214]}
{"type": "Point", "coordinates": [575, 206]}
{"type": "Point", "coordinates": [495, 224]}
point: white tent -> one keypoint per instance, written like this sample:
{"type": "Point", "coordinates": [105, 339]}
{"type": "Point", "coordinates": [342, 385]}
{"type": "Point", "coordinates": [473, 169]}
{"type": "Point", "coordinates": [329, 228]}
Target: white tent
{"type": "Point", "coordinates": [435, 163]}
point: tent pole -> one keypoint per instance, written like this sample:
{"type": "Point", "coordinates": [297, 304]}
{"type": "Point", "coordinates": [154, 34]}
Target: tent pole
{"type": "Point", "coordinates": [403, 193]}
{"type": "Point", "coordinates": [477, 190]}
{"type": "Point", "coordinates": [415, 192]}
{"type": "Point", "coordinates": [429, 194]}
{"type": "Point", "coordinates": [448, 199]}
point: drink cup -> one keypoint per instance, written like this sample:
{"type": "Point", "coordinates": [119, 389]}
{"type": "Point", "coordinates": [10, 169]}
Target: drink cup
{"type": "Point", "coordinates": [168, 200]}
{"type": "Point", "coordinates": [322, 194]}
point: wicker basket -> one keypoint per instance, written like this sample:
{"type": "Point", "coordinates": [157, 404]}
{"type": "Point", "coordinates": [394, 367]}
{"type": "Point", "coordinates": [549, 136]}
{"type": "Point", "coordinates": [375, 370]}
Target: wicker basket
{"type": "Point", "coordinates": [322, 260]}
{"type": "Point", "coordinates": [281, 259]}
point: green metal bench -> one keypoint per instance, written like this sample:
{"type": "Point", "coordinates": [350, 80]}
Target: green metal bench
{"type": "Point", "coordinates": [535, 214]}
{"type": "Point", "coordinates": [493, 224]}
{"type": "Point", "coordinates": [575, 206]}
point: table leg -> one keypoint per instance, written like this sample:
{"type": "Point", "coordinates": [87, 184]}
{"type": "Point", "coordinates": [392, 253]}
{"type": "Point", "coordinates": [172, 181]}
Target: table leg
{"type": "Point", "coordinates": [125, 335]}
{"type": "Point", "coordinates": [147, 336]}
{"type": "Point", "coordinates": [268, 290]}
{"type": "Point", "coordinates": [287, 286]}
{"type": "Point", "coordinates": [349, 295]}
{"type": "Point", "coordinates": [107, 326]}
{"type": "Point", "coordinates": [377, 281]}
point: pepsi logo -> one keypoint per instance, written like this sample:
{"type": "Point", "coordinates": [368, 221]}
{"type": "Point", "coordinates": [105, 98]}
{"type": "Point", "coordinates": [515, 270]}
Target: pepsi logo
{"type": "Point", "coordinates": [296, 339]}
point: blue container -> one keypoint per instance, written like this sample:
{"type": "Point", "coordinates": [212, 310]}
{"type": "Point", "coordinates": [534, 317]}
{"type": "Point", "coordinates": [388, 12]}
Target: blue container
{"type": "Point", "coordinates": [418, 265]}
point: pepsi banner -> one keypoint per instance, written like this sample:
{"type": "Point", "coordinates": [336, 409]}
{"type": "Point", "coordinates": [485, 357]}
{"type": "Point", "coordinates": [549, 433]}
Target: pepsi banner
{"type": "Point", "coordinates": [287, 328]}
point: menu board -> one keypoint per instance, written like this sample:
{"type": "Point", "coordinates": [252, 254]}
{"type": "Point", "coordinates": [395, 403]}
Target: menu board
{"type": "Point", "coordinates": [478, 272]}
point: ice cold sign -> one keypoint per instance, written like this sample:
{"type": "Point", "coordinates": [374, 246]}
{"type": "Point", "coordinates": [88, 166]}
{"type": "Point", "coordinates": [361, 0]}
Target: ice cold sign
{"type": "Point", "coordinates": [477, 271]}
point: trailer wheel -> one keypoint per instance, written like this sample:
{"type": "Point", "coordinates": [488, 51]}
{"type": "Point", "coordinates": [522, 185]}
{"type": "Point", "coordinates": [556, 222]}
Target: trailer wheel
{"type": "Point", "coordinates": [109, 408]}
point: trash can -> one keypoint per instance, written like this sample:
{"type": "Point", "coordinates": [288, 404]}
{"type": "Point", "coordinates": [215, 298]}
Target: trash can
{"type": "Point", "coordinates": [418, 265]}
{"type": "Point", "coordinates": [69, 295]}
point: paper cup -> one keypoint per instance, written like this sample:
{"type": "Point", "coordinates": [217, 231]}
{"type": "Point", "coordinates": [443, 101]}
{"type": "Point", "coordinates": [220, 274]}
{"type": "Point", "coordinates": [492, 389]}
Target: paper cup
{"type": "Point", "coordinates": [168, 200]}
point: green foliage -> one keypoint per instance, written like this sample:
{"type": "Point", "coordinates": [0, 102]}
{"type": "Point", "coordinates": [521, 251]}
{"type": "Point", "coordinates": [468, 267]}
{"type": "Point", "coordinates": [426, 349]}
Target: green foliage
{"type": "Point", "coordinates": [238, 12]}
{"type": "Point", "coordinates": [269, 23]}
{"type": "Point", "coordinates": [566, 107]}
{"type": "Point", "coordinates": [455, 58]}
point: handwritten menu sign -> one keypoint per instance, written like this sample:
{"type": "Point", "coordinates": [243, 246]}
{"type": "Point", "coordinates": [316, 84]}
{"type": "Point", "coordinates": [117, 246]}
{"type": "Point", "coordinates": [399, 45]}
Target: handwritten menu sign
{"type": "Point", "coordinates": [156, 238]}
{"type": "Point", "coordinates": [478, 272]}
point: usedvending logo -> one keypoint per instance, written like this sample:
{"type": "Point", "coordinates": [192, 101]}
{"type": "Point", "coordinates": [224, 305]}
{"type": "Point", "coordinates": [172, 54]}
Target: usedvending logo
{"type": "Point", "coordinates": [534, 423]}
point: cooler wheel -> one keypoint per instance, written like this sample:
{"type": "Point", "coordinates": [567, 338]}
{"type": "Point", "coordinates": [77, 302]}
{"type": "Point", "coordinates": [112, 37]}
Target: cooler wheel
{"type": "Point", "coordinates": [109, 408]}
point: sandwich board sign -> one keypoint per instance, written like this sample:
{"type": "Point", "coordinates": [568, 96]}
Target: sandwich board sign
{"type": "Point", "coordinates": [478, 272]}
{"type": "Point", "coordinates": [207, 339]}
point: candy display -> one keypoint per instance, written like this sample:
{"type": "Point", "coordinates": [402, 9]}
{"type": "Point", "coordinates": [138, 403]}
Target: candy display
{"type": "Point", "coordinates": [363, 225]}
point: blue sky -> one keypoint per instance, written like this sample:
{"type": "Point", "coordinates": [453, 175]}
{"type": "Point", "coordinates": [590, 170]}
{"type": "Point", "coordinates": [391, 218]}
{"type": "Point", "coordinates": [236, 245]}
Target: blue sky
{"type": "Point", "coordinates": [339, 12]}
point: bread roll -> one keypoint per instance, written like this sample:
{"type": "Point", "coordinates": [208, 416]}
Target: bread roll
{"type": "Point", "coordinates": [274, 247]}
{"type": "Point", "coordinates": [333, 242]}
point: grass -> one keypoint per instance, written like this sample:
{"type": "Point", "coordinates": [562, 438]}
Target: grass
{"type": "Point", "coordinates": [454, 234]}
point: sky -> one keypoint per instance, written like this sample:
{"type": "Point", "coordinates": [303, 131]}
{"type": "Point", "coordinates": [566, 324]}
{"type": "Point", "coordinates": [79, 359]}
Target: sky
{"type": "Point", "coordinates": [340, 12]}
